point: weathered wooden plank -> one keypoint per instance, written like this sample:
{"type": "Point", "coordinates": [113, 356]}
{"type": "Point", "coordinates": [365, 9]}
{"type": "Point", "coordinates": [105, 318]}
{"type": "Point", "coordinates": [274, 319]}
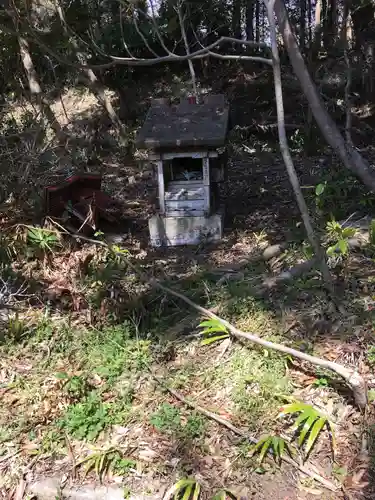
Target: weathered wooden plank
{"type": "Point", "coordinates": [185, 205]}
{"type": "Point", "coordinates": [206, 182]}
{"type": "Point", "coordinates": [161, 186]}
{"type": "Point", "coordinates": [178, 193]}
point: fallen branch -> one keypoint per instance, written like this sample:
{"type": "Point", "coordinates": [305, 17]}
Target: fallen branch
{"type": "Point", "coordinates": [288, 275]}
{"type": "Point", "coordinates": [353, 379]}
{"type": "Point", "coordinates": [327, 484]}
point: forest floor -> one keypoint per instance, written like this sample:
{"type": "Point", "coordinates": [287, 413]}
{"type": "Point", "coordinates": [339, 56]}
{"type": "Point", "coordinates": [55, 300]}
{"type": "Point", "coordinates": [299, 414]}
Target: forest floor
{"type": "Point", "coordinates": [78, 402]}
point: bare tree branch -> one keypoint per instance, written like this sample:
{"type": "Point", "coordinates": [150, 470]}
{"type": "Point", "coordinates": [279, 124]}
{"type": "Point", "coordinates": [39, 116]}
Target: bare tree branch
{"type": "Point", "coordinates": [181, 20]}
{"type": "Point", "coordinates": [144, 39]}
{"type": "Point", "coordinates": [156, 28]}
{"type": "Point", "coordinates": [226, 57]}
{"type": "Point", "coordinates": [122, 34]}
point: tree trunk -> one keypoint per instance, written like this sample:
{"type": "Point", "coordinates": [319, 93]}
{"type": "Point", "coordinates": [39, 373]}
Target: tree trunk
{"type": "Point", "coordinates": [236, 18]}
{"type": "Point", "coordinates": [333, 18]}
{"type": "Point", "coordinates": [257, 21]}
{"type": "Point", "coordinates": [36, 90]}
{"type": "Point", "coordinates": [285, 151]}
{"type": "Point", "coordinates": [324, 20]}
{"type": "Point", "coordinates": [345, 33]}
{"type": "Point", "coordinates": [249, 20]}
{"type": "Point", "coordinates": [349, 156]}
{"type": "Point", "coordinates": [318, 26]}
{"type": "Point", "coordinates": [348, 104]}
{"type": "Point", "coordinates": [181, 20]}
{"type": "Point", "coordinates": [302, 25]}
{"type": "Point", "coordinates": [309, 13]}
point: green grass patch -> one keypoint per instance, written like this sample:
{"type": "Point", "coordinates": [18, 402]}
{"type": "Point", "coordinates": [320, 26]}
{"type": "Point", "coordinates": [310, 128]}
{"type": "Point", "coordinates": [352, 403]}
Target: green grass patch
{"type": "Point", "coordinates": [256, 381]}
{"type": "Point", "coordinates": [88, 418]}
{"type": "Point", "coordinates": [113, 351]}
{"type": "Point", "coordinates": [82, 366]}
{"type": "Point", "coordinates": [168, 419]}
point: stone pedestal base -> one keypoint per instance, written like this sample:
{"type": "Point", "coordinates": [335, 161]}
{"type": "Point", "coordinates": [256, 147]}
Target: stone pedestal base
{"type": "Point", "coordinates": [174, 231]}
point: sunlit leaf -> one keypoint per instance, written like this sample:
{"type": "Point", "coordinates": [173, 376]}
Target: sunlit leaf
{"type": "Point", "coordinates": [281, 447]}
{"type": "Point", "coordinates": [264, 449]}
{"type": "Point", "coordinates": [309, 423]}
{"type": "Point", "coordinates": [213, 326]}
{"type": "Point", "coordinates": [213, 323]}
{"type": "Point", "coordinates": [211, 340]}
{"type": "Point", "coordinates": [222, 495]}
{"type": "Point", "coordinates": [348, 232]}
{"type": "Point", "coordinates": [314, 433]}
{"type": "Point", "coordinates": [197, 490]}
{"type": "Point", "coordinates": [187, 492]}
{"type": "Point", "coordinates": [320, 188]}
{"type": "Point", "coordinates": [343, 246]}
{"type": "Point", "coordinates": [306, 428]}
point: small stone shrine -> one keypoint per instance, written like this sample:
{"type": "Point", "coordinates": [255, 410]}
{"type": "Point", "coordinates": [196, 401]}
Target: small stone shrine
{"type": "Point", "coordinates": [187, 145]}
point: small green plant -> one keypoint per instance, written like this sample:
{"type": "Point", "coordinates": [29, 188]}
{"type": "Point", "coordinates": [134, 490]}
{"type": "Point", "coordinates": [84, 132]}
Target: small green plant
{"type": "Point", "coordinates": [16, 327]}
{"type": "Point", "coordinates": [371, 355]}
{"type": "Point", "coordinates": [186, 489]}
{"type": "Point", "coordinates": [119, 254]}
{"type": "Point", "coordinates": [371, 395]}
{"type": "Point", "coordinates": [194, 427]}
{"type": "Point", "coordinates": [297, 141]}
{"type": "Point", "coordinates": [321, 382]}
{"type": "Point", "coordinates": [213, 331]}
{"type": "Point", "coordinates": [167, 418]}
{"type": "Point", "coordinates": [103, 461]}
{"type": "Point", "coordinates": [308, 425]}
{"type": "Point", "coordinates": [338, 238]}
{"type": "Point", "coordinates": [86, 419]}
{"type": "Point", "coordinates": [112, 352]}
{"type": "Point", "coordinates": [224, 495]}
{"type": "Point", "coordinates": [75, 386]}
{"type": "Point", "coordinates": [42, 239]}
{"type": "Point", "coordinates": [274, 444]}
{"type": "Point", "coordinates": [189, 489]}
{"type": "Point", "coordinates": [339, 473]}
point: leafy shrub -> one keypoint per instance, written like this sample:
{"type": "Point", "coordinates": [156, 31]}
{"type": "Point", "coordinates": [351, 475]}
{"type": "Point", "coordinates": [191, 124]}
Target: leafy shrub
{"type": "Point", "coordinates": [112, 352]}
{"type": "Point", "coordinates": [167, 418]}
{"type": "Point", "coordinates": [87, 419]}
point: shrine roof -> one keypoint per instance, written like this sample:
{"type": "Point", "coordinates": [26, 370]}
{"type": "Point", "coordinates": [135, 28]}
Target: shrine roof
{"type": "Point", "coordinates": [187, 124]}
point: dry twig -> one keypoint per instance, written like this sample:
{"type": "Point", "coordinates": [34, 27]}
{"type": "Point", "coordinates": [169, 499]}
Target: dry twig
{"type": "Point", "coordinates": [324, 482]}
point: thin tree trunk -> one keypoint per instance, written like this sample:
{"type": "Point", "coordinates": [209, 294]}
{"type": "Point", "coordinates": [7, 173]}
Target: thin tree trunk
{"type": "Point", "coordinates": [334, 21]}
{"type": "Point", "coordinates": [348, 104]}
{"type": "Point", "coordinates": [36, 90]}
{"type": "Point", "coordinates": [236, 18]}
{"type": "Point", "coordinates": [257, 21]}
{"type": "Point", "coordinates": [325, 26]}
{"type": "Point", "coordinates": [285, 151]}
{"type": "Point", "coordinates": [352, 160]}
{"type": "Point", "coordinates": [187, 49]}
{"type": "Point", "coordinates": [345, 33]}
{"type": "Point", "coordinates": [302, 25]}
{"type": "Point", "coordinates": [249, 20]}
{"type": "Point", "coordinates": [318, 25]}
{"type": "Point", "coordinates": [309, 14]}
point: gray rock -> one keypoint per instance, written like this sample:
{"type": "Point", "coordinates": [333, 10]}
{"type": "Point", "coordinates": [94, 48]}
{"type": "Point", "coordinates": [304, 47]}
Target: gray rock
{"type": "Point", "coordinates": [49, 489]}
